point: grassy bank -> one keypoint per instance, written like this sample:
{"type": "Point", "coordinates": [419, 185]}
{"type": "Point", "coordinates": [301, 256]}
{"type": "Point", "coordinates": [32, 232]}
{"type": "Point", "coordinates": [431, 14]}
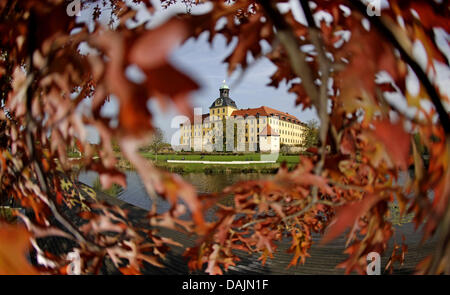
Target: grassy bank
{"type": "Point", "coordinates": [217, 169]}
{"type": "Point", "coordinates": [289, 159]}
{"type": "Point", "coordinates": [181, 168]}
{"type": "Point", "coordinates": [161, 162]}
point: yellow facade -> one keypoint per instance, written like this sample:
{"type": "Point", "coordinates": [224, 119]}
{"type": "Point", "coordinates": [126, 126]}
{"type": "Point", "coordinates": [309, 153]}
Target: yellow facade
{"type": "Point", "coordinates": [251, 125]}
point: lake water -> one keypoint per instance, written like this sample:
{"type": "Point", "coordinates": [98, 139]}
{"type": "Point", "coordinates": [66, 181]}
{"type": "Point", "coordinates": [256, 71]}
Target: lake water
{"type": "Point", "coordinates": [135, 192]}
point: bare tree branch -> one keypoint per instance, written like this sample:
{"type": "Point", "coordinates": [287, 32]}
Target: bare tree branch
{"type": "Point", "coordinates": [324, 68]}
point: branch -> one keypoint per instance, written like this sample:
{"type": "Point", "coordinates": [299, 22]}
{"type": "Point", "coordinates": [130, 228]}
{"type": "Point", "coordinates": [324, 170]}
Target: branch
{"type": "Point", "coordinates": [309, 207]}
{"type": "Point", "coordinates": [43, 184]}
{"type": "Point", "coordinates": [324, 67]}
{"type": "Point", "coordinates": [296, 214]}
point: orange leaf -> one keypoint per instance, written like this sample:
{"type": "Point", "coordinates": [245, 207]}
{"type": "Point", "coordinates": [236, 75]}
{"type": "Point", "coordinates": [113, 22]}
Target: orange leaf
{"type": "Point", "coordinates": [14, 244]}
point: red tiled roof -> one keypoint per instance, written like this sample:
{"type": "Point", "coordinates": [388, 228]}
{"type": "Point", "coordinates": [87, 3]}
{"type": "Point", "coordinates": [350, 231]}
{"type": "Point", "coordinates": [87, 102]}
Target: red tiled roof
{"type": "Point", "coordinates": [266, 111]}
{"type": "Point", "coordinates": [268, 131]}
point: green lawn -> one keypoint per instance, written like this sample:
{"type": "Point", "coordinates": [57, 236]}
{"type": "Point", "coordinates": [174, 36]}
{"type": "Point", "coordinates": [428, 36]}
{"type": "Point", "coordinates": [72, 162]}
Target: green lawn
{"type": "Point", "coordinates": [218, 169]}
{"type": "Point", "coordinates": [290, 159]}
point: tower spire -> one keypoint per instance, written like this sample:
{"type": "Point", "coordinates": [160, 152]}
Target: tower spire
{"type": "Point", "coordinates": [224, 85]}
{"type": "Point", "coordinates": [224, 90]}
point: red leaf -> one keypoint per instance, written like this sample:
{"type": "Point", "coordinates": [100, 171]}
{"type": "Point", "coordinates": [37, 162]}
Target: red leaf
{"type": "Point", "coordinates": [166, 81]}
{"type": "Point", "coordinates": [395, 139]}
{"type": "Point", "coordinates": [347, 215]}
{"type": "Point", "coordinates": [151, 49]}
{"type": "Point", "coordinates": [129, 271]}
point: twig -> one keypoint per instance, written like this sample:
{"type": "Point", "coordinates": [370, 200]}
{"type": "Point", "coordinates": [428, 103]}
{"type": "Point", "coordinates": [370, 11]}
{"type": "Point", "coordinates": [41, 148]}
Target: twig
{"type": "Point", "coordinates": [296, 214]}
{"type": "Point", "coordinates": [322, 99]}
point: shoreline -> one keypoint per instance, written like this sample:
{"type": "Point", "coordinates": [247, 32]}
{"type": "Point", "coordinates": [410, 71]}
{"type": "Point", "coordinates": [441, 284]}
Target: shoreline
{"type": "Point", "coordinates": [214, 164]}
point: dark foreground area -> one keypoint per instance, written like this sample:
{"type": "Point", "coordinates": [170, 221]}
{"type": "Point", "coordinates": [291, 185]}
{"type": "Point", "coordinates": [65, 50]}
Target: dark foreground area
{"type": "Point", "coordinates": [323, 260]}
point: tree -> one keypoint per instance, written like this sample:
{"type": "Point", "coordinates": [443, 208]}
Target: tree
{"type": "Point", "coordinates": [157, 142]}
{"type": "Point", "coordinates": [312, 133]}
{"type": "Point", "coordinates": [44, 78]}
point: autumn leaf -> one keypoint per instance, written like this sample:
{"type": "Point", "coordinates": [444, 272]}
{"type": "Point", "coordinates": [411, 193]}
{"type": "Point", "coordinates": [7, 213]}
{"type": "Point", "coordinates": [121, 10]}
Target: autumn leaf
{"type": "Point", "coordinates": [159, 84]}
{"type": "Point", "coordinates": [14, 246]}
{"type": "Point", "coordinates": [395, 139]}
{"type": "Point", "coordinates": [151, 49]}
{"type": "Point", "coordinates": [130, 271]}
{"type": "Point", "coordinates": [347, 215]}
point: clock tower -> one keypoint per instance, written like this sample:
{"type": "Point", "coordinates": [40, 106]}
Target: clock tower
{"type": "Point", "coordinates": [222, 106]}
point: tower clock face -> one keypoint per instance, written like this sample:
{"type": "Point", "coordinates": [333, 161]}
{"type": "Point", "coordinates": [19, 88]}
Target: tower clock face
{"type": "Point", "coordinates": [218, 102]}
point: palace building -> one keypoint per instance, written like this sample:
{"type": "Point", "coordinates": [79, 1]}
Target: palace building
{"type": "Point", "coordinates": [227, 128]}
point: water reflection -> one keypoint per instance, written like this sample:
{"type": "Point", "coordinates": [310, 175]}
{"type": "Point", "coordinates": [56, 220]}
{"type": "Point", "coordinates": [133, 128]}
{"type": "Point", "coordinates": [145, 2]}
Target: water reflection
{"type": "Point", "coordinates": [135, 192]}
{"type": "Point", "coordinates": [207, 183]}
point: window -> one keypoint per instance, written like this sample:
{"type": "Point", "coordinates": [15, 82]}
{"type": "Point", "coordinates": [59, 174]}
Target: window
{"type": "Point", "coordinates": [223, 110]}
